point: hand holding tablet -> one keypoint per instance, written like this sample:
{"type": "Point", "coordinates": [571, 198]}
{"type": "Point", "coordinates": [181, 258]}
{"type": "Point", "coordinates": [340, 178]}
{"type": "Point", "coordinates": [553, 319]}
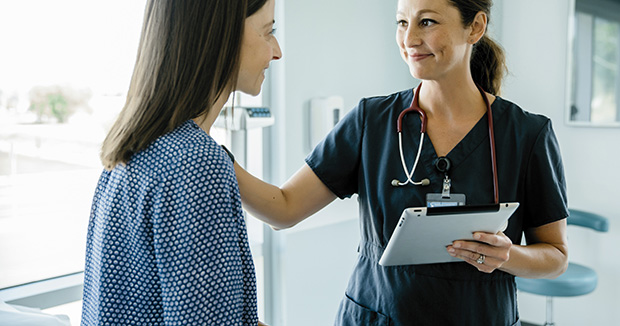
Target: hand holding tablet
{"type": "Point", "coordinates": [422, 234]}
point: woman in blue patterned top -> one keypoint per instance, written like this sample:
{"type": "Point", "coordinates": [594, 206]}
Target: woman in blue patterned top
{"type": "Point", "coordinates": [167, 242]}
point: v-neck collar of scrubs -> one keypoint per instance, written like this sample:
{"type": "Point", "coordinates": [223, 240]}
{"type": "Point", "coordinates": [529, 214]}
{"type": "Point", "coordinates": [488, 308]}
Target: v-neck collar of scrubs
{"type": "Point", "coordinates": [477, 136]}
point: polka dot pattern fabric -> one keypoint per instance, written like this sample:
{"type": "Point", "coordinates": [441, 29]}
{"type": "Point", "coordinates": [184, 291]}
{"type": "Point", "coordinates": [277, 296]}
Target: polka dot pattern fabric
{"type": "Point", "coordinates": [167, 243]}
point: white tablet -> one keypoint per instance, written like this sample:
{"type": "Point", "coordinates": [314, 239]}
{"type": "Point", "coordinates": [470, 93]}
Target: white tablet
{"type": "Point", "coordinates": [422, 233]}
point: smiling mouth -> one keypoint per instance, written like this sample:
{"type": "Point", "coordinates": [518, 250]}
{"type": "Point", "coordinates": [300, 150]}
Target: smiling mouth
{"type": "Point", "coordinates": [418, 57]}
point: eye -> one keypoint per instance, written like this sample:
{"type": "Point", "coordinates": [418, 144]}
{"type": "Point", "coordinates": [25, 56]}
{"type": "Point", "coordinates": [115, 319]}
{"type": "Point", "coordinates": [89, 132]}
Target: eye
{"type": "Point", "coordinates": [273, 31]}
{"type": "Point", "coordinates": [402, 23]}
{"type": "Point", "coordinates": [426, 22]}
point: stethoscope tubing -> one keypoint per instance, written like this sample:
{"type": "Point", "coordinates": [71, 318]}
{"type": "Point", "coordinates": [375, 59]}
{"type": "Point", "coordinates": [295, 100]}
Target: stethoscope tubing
{"type": "Point", "coordinates": [415, 107]}
{"type": "Point", "coordinates": [492, 145]}
{"type": "Point", "coordinates": [402, 160]}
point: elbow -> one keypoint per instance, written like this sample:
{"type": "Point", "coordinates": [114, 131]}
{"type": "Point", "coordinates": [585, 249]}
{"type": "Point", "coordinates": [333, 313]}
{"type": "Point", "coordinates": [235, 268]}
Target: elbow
{"type": "Point", "coordinates": [282, 226]}
{"type": "Point", "coordinates": [559, 272]}
{"type": "Point", "coordinates": [564, 266]}
{"type": "Point", "coordinates": [562, 261]}
{"type": "Point", "coordinates": [276, 221]}
{"type": "Point", "coordinates": [562, 269]}
{"type": "Point", "coordinates": [564, 250]}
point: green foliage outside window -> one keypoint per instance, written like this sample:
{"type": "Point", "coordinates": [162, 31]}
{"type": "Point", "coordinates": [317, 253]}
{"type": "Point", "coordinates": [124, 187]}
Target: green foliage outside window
{"type": "Point", "coordinates": [57, 102]}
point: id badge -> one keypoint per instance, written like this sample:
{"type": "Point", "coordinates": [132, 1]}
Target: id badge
{"type": "Point", "coordinates": [441, 200]}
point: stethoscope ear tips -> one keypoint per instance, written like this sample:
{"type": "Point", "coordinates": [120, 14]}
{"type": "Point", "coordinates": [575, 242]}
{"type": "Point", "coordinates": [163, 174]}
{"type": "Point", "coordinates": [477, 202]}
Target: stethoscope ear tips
{"type": "Point", "coordinates": [395, 183]}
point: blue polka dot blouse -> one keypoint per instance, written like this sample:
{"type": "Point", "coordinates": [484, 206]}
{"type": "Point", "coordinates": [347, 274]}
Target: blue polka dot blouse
{"type": "Point", "coordinates": [167, 242]}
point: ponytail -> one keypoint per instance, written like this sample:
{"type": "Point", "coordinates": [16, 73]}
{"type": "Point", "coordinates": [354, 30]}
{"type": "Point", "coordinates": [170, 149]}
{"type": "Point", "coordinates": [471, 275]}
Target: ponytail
{"type": "Point", "coordinates": [488, 65]}
{"type": "Point", "coordinates": [488, 62]}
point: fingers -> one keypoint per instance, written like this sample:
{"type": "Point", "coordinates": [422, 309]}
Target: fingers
{"type": "Point", "coordinates": [497, 240]}
{"type": "Point", "coordinates": [494, 247]}
{"type": "Point", "coordinates": [482, 262]}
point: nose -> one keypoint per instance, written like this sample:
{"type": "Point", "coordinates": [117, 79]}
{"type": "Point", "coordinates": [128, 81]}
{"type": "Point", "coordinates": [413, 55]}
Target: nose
{"type": "Point", "coordinates": [277, 52]}
{"type": "Point", "coordinates": [412, 37]}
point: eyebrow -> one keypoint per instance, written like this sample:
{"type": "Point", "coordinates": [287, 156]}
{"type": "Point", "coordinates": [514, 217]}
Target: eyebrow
{"type": "Point", "coordinates": [271, 23]}
{"type": "Point", "coordinates": [423, 11]}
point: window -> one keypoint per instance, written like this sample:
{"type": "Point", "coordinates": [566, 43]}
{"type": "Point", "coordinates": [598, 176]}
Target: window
{"type": "Point", "coordinates": [66, 67]}
{"type": "Point", "coordinates": [595, 89]}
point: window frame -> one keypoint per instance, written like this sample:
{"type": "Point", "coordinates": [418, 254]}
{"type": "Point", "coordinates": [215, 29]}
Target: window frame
{"type": "Point", "coordinates": [581, 35]}
{"type": "Point", "coordinates": [46, 293]}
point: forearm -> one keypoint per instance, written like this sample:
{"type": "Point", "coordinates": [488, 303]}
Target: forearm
{"type": "Point", "coordinates": [283, 207]}
{"type": "Point", "coordinates": [540, 260]}
{"type": "Point", "coordinates": [263, 200]}
{"type": "Point", "coordinates": [546, 256]}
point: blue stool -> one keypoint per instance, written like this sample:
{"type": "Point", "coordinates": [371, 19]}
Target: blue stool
{"type": "Point", "coordinates": [578, 279]}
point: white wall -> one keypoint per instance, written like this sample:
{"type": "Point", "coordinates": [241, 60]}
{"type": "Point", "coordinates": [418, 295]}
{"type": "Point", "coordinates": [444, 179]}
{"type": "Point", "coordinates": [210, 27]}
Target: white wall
{"type": "Point", "coordinates": [346, 48]}
{"type": "Point", "coordinates": [343, 47]}
{"type": "Point", "coordinates": [534, 34]}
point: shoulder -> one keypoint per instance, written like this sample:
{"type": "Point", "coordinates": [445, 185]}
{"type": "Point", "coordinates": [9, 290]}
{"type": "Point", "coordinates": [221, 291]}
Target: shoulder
{"type": "Point", "coordinates": [386, 102]}
{"type": "Point", "coordinates": [185, 150]}
{"type": "Point", "coordinates": [376, 109]}
{"type": "Point", "coordinates": [510, 116]}
{"type": "Point", "coordinates": [186, 137]}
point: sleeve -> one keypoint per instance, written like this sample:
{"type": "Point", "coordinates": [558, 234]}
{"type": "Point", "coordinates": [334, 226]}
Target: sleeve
{"type": "Point", "coordinates": [546, 199]}
{"type": "Point", "coordinates": [196, 242]}
{"type": "Point", "coordinates": [336, 159]}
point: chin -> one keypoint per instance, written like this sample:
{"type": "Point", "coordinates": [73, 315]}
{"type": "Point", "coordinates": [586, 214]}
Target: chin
{"type": "Point", "coordinates": [254, 92]}
{"type": "Point", "coordinates": [416, 74]}
{"type": "Point", "coordinates": [250, 91]}
{"type": "Point", "coordinates": [420, 74]}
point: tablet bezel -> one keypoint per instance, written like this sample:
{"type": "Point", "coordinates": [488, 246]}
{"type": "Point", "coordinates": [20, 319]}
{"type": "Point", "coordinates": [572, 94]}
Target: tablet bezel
{"type": "Point", "coordinates": [422, 233]}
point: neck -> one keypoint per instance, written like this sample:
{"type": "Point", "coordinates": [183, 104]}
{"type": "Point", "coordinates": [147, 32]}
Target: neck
{"type": "Point", "coordinates": [205, 121]}
{"type": "Point", "coordinates": [451, 99]}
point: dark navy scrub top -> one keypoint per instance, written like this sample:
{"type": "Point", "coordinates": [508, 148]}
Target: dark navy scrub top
{"type": "Point", "coordinates": [361, 156]}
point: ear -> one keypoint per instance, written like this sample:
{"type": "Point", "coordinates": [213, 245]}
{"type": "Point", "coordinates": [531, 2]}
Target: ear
{"type": "Point", "coordinates": [478, 27]}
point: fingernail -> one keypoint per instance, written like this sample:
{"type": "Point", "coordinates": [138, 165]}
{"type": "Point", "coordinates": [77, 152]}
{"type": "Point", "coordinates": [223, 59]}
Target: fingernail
{"type": "Point", "coordinates": [477, 236]}
{"type": "Point", "coordinates": [457, 245]}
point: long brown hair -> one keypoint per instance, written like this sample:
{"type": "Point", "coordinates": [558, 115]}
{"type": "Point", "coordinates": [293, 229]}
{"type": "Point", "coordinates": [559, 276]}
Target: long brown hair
{"type": "Point", "coordinates": [187, 58]}
{"type": "Point", "coordinates": [488, 61]}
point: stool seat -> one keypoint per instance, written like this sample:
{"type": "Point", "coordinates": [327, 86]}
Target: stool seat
{"type": "Point", "coordinates": [577, 280]}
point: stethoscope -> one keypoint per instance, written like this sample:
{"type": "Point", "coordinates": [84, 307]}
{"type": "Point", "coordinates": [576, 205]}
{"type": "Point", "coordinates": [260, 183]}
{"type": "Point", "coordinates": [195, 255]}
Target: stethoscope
{"type": "Point", "coordinates": [443, 163]}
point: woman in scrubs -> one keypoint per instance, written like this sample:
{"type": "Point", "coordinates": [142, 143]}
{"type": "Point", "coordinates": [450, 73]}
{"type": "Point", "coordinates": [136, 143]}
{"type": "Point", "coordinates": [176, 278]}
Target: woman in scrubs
{"type": "Point", "coordinates": [167, 241]}
{"type": "Point", "coordinates": [443, 43]}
